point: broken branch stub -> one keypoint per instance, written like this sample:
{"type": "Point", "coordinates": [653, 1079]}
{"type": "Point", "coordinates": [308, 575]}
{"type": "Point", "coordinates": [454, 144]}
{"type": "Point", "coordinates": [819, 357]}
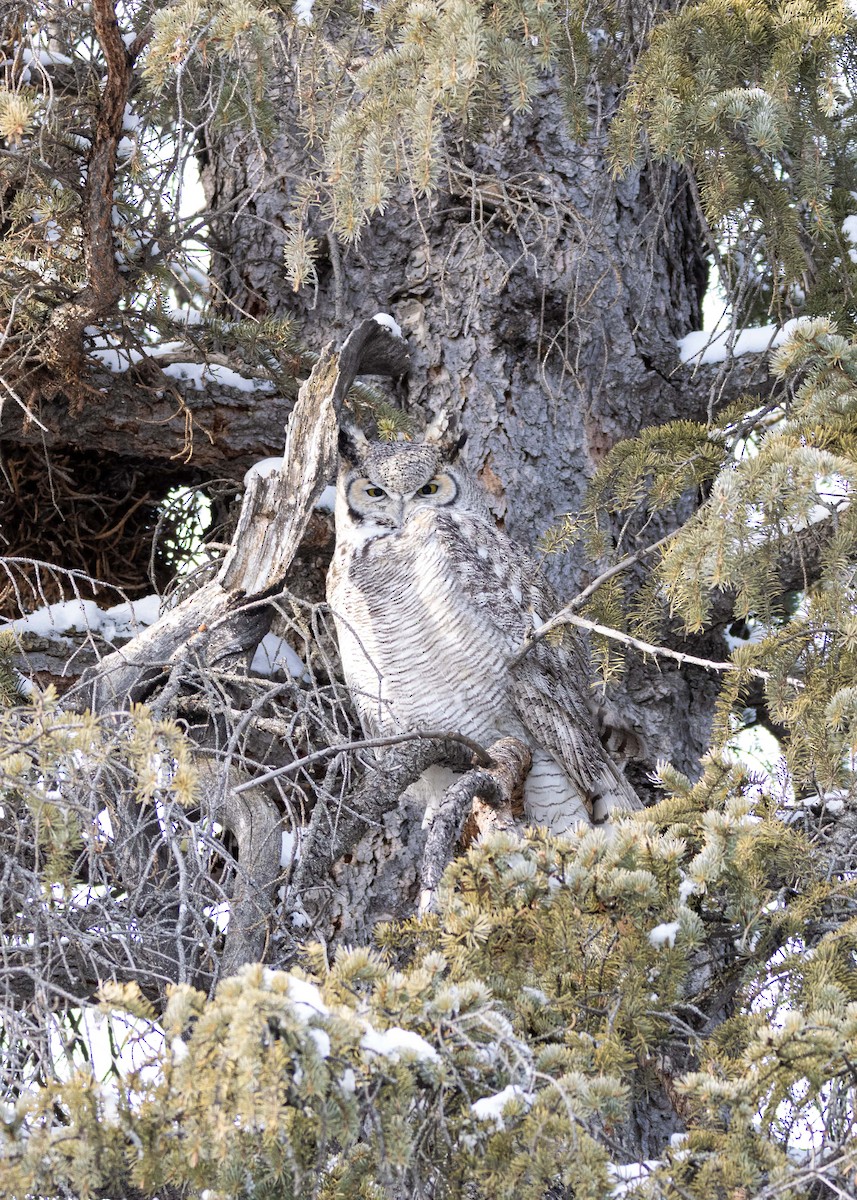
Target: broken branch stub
{"type": "Point", "coordinates": [277, 508]}
{"type": "Point", "coordinates": [496, 786]}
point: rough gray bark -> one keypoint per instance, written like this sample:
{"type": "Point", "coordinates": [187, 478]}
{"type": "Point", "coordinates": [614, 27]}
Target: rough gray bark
{"type": "Point", "coordinates": [548, 323]}
{"type": "Point", "coordinates": [190, 433]}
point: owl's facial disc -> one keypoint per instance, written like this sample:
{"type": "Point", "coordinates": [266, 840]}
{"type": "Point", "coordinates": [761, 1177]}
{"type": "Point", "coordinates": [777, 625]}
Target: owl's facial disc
{"type": "Point", "coordinates": [371, 505]}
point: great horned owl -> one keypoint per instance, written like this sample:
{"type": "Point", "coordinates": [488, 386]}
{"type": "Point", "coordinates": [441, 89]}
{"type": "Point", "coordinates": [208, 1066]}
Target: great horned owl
{"type": "Point", "coordinates": [431, 601]}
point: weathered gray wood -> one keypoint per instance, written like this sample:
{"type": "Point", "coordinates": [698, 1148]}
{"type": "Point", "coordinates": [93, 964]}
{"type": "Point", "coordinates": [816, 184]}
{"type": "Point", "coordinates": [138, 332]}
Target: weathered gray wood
{"type": "Point", "coordinates": [256, 824]}
{"type": "Point", "coordinates": [205, 627]}
{"type": "Point", "coordinates": [334, 831]}
{"type": "Point", "coordinates": [495, 785]}
{"type": "Point", "coordinates": [277, 507]}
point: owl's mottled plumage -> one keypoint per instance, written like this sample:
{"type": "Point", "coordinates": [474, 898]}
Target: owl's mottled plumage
{"type": "Point", "coordinates": [431, 601]}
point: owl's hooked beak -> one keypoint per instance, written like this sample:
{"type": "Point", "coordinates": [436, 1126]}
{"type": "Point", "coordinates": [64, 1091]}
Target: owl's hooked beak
{"type": "Point", "coordinates": [398, 507]}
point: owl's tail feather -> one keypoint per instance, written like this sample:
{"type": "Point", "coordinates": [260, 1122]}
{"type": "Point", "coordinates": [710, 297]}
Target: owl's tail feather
{"type": "Point", "coordinates": [612, 793]}
{"type": "Point", "coordinates": [551, 798]}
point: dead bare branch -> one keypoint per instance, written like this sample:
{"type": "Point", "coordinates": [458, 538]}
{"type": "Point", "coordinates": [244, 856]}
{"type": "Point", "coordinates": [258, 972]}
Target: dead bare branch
{"type": "Point", "coordinates": [104, 284]}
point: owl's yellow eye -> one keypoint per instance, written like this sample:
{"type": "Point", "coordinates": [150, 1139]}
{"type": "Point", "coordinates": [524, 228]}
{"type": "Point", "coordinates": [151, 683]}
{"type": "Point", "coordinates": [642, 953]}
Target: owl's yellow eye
{"type": "Point", "coordinates": [375, 493]}
{"type": "Point", "coordinates": [428, 489]}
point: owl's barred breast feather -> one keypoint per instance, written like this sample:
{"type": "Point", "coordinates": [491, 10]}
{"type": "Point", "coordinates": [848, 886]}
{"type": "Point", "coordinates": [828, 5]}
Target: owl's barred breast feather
{"type": "Point", "coordinates": [431, 602]}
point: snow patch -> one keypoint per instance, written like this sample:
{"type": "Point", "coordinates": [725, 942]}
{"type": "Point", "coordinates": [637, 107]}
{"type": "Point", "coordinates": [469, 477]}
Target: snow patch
{"type": "Point", "coordinates": [625, 1177]}
{"type": "Point", "coordinates": [45, 58]}
{"type": "Point", "coordinates": [389, 323]}
{"type": "Point", "coordinates": [264, 467]}
{"type": "Point", "coordinates": [490, 1108]}
{"type": "Point", "coordinates": [664, 935]}
{"type": "Point", "coordinates": [117, 360]}
{"type": "Point", "coordinates": [303, 11]}
{"type": "Point", "coordinates": [327, 500]}
{"type": "Point", "coordinates": [834, 801]}
{"type": "Point", "coordinates": [287, 848]}
{"type": "Point", "coordinates": [201, 374]}
{"type": "Point", "coordinates": [394, 1043]}
{"type": "Point", "coordinates": [274, 654]}
{"type": "Point", "coordinates": [849, 228]}
{"type": "Point", "coordinates": [179, 1049]}
{"type": "Point", "coordinates": [705, 346]}
{"type": "Point", "coordinates": [305, 995]}
{"type": "Point", "coordinates": [687, 888]}
{"type": "Point", "coordinates": [322, 1042]}
{"type": "Point", "coordinates": [84, 616]}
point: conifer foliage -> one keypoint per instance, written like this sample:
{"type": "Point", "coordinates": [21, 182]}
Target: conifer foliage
{"type": "Point", "coordinates": [665, 1008]}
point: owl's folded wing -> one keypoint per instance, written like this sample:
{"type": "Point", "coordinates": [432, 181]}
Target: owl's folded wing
{"type": "Point", "coordinates": [548, 696]}
{"type": "Point", "coordinates": [549, 687]}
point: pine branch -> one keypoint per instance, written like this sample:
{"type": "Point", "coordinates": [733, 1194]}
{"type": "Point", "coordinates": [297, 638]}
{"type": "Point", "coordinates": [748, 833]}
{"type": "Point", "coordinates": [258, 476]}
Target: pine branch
{"type": "Point", "coordinates": [561, 618]}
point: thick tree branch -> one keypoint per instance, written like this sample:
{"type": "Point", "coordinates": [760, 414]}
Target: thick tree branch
{"type": "Point", "coordinates": [496, 785]}
{"type": "Point", "coordinates": [215, 431]}
{"type": "Point", "coordinates": [333, 834]}
{"type": "Point", "coordinates": [256, 826]}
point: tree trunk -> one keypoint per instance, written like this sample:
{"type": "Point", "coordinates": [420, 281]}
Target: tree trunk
{"type": "Point", "coordinates": [541, 300]}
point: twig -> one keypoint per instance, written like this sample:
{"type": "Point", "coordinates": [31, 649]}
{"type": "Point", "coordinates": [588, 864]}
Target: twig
{"type": "Point", "coordinates": [679, 656]}
{"type": "Point", "coordinates": [482, 756]}
{"type": "Point", "coordinates": [28, 415]}
{"type": "Point", "coordinates": [561, 618]}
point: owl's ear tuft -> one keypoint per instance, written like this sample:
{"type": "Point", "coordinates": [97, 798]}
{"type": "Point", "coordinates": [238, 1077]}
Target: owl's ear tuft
{"type": "Point", "coordinates": [352, 442]}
